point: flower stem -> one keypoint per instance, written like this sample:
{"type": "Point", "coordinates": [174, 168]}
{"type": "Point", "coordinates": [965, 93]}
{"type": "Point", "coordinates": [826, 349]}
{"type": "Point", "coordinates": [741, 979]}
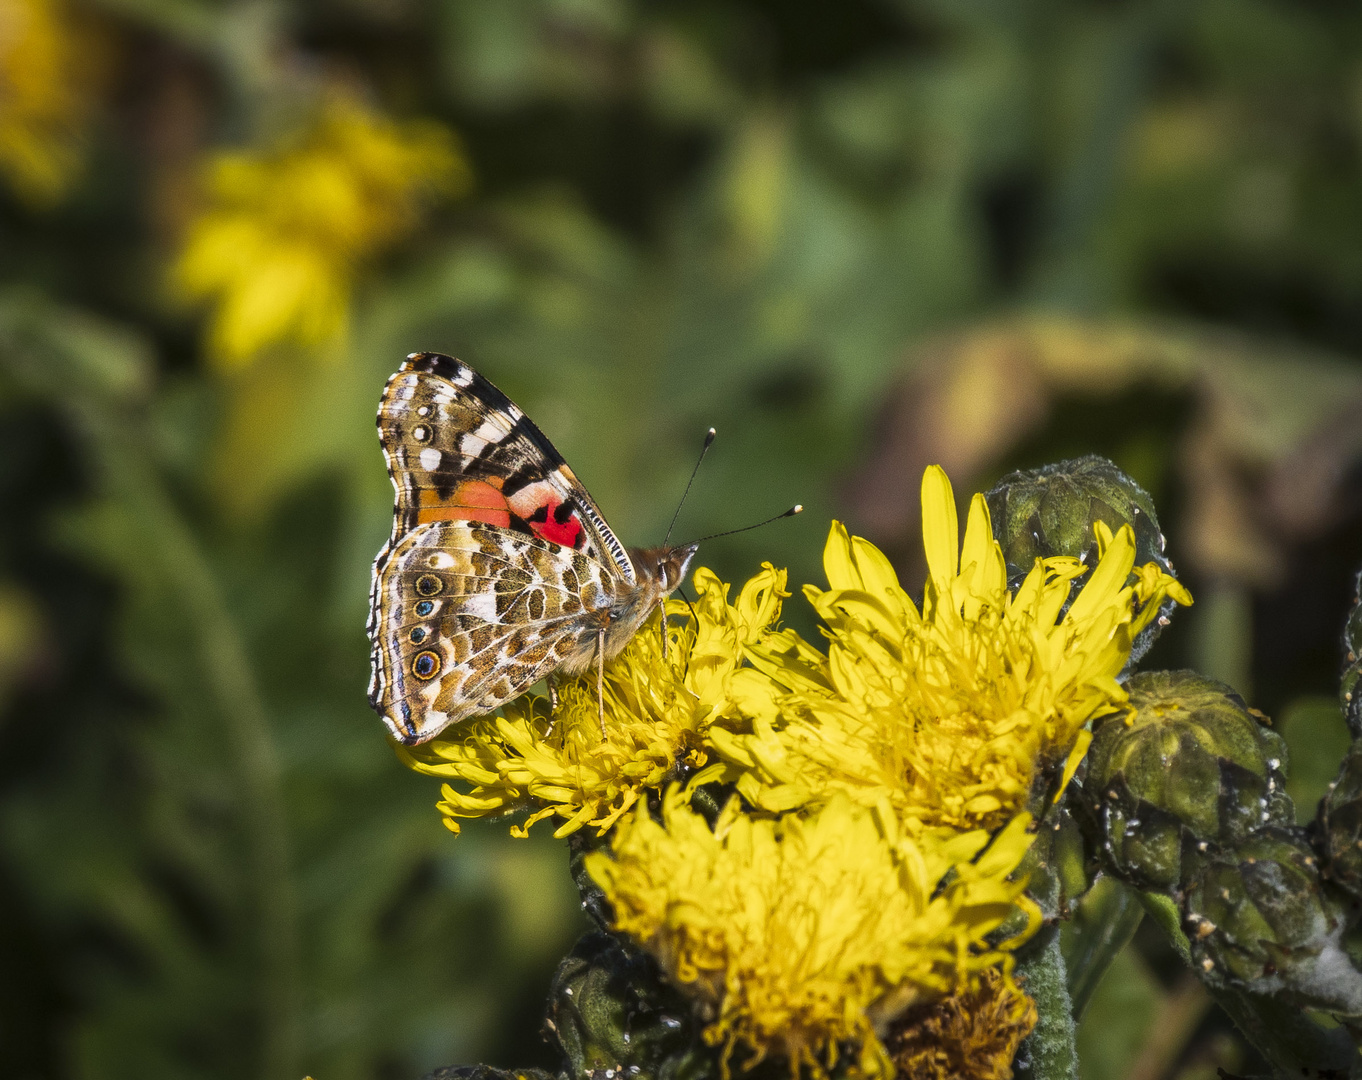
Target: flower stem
{"type": "Point", "coordinates": [1049, 1052]}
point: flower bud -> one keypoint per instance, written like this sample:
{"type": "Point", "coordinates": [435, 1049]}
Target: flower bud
{"type": "Point", "coordinates": [1049, 511]}
{"type": "Point", "coordinates": [1338, 826]}
{"type": "Point", "coordinates": [1259, 918]}
{"type": "Point", "coordinates": [1038, 513]}
{"type": "Point", "coordinates": [1191, 765]}
{"type": "Point", "coordinates": [609, 1008]}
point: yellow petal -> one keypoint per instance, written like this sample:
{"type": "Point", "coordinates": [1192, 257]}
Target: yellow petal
{"type": "Point", "coordinates": [940, 528]}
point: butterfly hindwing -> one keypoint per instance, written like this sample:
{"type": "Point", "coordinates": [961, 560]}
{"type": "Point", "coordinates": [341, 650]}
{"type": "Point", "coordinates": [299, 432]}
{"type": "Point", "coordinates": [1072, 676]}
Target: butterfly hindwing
{"type": "Point", "coordinates": [472, 615]}
{"type": "Point", "coordinates": [459, 449]}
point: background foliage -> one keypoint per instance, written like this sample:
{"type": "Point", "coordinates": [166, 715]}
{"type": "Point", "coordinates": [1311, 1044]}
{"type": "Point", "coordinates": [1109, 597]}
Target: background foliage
{"type": "Point", "coordinates": [855, 238]}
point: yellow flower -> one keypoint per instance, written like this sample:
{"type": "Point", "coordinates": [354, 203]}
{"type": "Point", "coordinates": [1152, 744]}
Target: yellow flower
{"type": "Point", "coordinates": [799, 935]}
{"type": "Point", "coordinates": [43, 101]}
{"type": "Point", "coordinates": [951, 712]}
{"type": "Point", "coordinates": [285, 231]}
{"type": "Point", "coordinates": [656, 711]}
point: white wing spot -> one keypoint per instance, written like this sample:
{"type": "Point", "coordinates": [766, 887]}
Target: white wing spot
{"type": "Point", "coordinates": [463, 377]}
{"type": "Point", "coordinates": [423, 410]}
{"type": "Point", "coordinates": [483, 605]}
{"type": "Point", "coordinates": [430, 459]}
{"type": "Point", "coordinates": [493, 428]}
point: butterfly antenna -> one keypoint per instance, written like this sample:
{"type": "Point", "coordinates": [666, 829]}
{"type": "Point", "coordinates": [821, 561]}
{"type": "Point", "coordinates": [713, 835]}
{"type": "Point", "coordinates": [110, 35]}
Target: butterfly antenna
{"type": "Point", "coordinates": [796, 509]}
{"type": "Point", "coordinates": [709, 441]}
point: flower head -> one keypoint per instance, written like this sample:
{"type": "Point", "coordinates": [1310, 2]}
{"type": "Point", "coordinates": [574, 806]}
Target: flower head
{"type": "Point", "coordinates": [42, 97]}
{"type": "Point", "coordinates": [800, 935]}
{"type": "Point", "coordinates": [951, 711]}
{"type": "Point", "coordinates": [655, 711]}
{"type": "Point", "coordinates": [286, 230]}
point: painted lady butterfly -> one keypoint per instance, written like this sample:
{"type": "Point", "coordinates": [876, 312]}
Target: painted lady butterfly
{"type": "Point", "coordinates": [500, 569]}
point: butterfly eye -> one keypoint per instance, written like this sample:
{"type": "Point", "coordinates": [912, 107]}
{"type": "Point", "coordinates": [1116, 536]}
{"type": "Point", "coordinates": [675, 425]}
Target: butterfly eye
{"type": "Point", "coordinates": [429, 585]}
{"type": "Point", "coordinates": [425, 665]}
{"type": "Point", "coordinates": [418, 635]}
{"type": "Point", "coordinates": [424, 608]}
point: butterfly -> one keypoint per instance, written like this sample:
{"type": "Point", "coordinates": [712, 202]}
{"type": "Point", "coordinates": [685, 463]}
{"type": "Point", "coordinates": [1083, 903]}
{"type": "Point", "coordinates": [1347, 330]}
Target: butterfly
{"type": "Point", "coordinates": [500, 570]}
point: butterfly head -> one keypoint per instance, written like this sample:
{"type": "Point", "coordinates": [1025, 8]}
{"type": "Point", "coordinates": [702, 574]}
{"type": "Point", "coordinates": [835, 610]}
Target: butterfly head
{"type": "Point", "coordinates": [665, 566]}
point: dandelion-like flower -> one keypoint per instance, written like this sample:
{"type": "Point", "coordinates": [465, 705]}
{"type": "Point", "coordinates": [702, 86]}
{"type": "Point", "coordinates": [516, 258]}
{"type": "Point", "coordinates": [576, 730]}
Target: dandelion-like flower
{"type": "Point", "coordinates": [656, 711]}
{"type": "Point", "coordinates": [804, 935]}
{"type": "Point", "coordinates": [42, 97]}
{"type": "Point", "coordinates": [949, 712]}
{"type": "Point", "coordinates": [285, 231]}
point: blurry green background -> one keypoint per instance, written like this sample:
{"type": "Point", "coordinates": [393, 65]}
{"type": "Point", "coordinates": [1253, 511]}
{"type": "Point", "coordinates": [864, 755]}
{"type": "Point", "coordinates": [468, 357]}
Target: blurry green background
{"type": "Point", "coordinates": [857, 238]}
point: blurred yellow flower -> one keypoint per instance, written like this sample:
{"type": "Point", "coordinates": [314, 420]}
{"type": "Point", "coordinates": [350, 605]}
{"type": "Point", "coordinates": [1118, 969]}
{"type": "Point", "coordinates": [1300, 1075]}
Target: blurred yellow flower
{"type": "Point", "coordinates": [800, 935]}
{"type": "Point", "coordinates": [285, 231]}
{"type": "Point", "coordinates": [42, 98]}
{"type": "Point", "coordinates": [656, 712]}
{"type": "Point", "coordinates": [950, 713]}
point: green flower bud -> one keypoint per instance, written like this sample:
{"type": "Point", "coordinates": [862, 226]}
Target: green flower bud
{"type": "Point", "coordinates": [609, 1008]}
{"type": "Point", "coordinates": [1338, 826]}
{"type": "Point", "coordinates": [1259, 918]}
{"type": "Point", "coordinates": [1192, 766]}
{"type": "Point", "coordinates": [1049, 511]}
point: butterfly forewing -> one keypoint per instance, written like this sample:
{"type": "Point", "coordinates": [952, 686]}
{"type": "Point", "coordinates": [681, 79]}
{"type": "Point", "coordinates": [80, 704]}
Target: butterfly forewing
{"type": "Point", "coordinates": [459, 449]}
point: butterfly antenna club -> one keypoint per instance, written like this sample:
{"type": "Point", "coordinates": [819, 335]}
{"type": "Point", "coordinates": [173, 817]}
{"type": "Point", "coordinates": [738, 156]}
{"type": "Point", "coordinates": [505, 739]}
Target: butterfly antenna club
{"type": "Point", "coordinates": [709, 441]}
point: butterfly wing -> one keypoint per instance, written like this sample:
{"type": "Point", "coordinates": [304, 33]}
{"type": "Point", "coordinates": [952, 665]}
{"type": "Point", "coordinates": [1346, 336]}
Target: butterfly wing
{"type": "Point", "coordinates": [473, 615]}
{"type": "Point", "coordinates": [458, 449]}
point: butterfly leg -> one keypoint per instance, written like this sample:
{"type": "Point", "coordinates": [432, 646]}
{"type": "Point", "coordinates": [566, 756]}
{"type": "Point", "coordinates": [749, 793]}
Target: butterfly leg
{"type": "Point", "coordinates": [600, 681]}
{"type": "Point", "coordinates": [553, 704]}
{"type": "Point", "coordinates": [662, 607]}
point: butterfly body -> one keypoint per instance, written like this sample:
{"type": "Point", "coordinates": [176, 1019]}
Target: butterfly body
{"type": "Point", "coordinates": [500, 569]}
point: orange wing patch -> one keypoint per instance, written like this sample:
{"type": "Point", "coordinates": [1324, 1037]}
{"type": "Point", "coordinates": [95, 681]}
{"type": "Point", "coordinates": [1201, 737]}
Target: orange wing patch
{"type": "Point", "coordinates": [472, 500]}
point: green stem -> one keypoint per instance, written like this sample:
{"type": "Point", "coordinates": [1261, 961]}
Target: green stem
{"type": "Point", "coordinates": [1050, 1051]}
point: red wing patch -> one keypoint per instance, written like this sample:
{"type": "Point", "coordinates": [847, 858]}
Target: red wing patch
{"type": "Point", "coordinates": [557, 523]}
